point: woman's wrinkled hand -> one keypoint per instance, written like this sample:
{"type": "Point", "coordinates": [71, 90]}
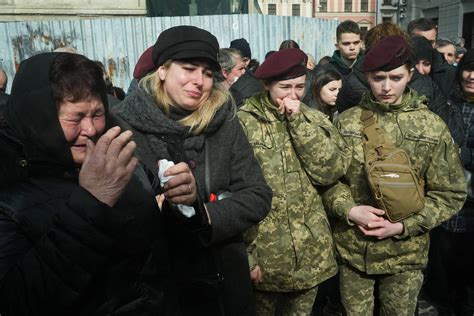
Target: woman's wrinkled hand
{"type": "Point", "coordinates": [108, 165]}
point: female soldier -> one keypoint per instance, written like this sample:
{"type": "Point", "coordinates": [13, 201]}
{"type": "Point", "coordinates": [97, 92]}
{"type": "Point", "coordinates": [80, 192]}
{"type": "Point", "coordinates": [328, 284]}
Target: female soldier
{"type": "Point", "coordinates": [326, 87]}
{"type": "Point", "coordinates": [298, 148]}
{"type": "Point", "coordinates": [180, 114]}
{"type": "Point", "coordinates": [377, 253]}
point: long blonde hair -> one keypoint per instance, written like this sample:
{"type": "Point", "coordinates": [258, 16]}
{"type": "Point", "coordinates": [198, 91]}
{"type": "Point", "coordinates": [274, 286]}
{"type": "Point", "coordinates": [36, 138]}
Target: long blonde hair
{"type": "Point", "coordinates": [198, 120]}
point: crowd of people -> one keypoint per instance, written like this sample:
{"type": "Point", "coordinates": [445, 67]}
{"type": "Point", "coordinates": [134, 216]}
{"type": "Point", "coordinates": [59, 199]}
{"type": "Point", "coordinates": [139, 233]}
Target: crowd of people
{"type": "Point", "coordinates": [221, 185]}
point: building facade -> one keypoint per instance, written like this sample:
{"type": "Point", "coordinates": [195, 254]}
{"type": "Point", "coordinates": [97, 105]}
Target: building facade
{"type": "Point", "coordinates": [25, 10]}
{"type": "Point", "coordinates": [287, 7]}
{"type": "Point", "coordinates": [455, 18]}
{"type": "Point", "coordinates": [21, 10]}
{"type": "Point", "coordinates": [360, 11]}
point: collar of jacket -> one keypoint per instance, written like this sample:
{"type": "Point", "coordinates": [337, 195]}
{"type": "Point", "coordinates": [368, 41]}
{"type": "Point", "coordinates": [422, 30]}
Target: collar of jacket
{"type": "Point", "coordinates": [336, 57]}
{"type": "Point", "coordinates": [263, 108]}
{"type": "Point", "coordinates": [410, 101]}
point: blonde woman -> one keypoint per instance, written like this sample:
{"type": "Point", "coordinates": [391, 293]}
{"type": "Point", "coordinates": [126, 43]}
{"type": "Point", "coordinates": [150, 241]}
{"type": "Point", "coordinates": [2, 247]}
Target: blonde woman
{"type": "Point", "coordinates": [181, 115]}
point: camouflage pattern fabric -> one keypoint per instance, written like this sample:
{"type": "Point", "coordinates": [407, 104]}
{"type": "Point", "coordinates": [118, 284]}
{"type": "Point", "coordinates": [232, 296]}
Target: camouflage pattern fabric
{"type": "Point", "coordinates": [426, 139]}
{"type": "Point", "coordinates": [397, 292]}
{"type": "Point", "coordinates": [293, 244]}
{"type": "Point", "coordinates": [299, 303]}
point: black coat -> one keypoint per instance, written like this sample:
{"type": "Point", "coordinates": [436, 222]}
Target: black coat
{"type": "Point", "coordinates": [62, 251]}
{"type": "Point", "coordinates": [245, 87]}
{"type": "Point", "coordinates": [200, 254]}
{"type": "Point", "coordinates": [65, 253]}
{"type": "Point", "coordinates": [356, 85]}
{"type": "Point", "coordinates": [443, 73]}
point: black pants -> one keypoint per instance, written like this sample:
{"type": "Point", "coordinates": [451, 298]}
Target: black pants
{"type": "Point", "coordinates": [450, 272]}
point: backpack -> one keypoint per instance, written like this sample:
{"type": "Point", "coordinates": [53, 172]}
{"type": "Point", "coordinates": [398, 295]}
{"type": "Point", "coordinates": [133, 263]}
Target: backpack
{"type": "Point", "coordinates": [395, 185]}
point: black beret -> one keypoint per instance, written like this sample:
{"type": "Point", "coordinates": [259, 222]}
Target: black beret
{"type": "Point", "coordinates": [284, 64]}
{"type": "Point", "coordinates": [243, 46]}
{"type": "Point", "coordinates": [423, 48]}
{"type": "Point", "coordinates": [388, 53]}
{"type": "Point", "coordinates": [184, 42]}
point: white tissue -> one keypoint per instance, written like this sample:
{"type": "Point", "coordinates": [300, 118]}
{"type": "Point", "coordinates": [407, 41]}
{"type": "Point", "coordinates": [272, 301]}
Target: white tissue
{"type": "Point", "coordinates": [164, 164]}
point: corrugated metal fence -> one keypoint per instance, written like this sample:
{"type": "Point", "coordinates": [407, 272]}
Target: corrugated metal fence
{"type": "Point", "coordinates": [119, 42]}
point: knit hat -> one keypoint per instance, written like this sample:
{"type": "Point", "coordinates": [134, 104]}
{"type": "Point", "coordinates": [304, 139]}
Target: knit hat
{"type": "Point", "coordinates": [243, 46]}
{"type": "Point", "coordinates": [423, 48]}
{"type": "Point", "coordinates": [466, 62]}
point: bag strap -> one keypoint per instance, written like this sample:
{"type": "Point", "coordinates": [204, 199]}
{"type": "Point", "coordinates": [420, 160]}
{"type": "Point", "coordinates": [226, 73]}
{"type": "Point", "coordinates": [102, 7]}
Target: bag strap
{"type": "Point", "coordinates": [376, 141]}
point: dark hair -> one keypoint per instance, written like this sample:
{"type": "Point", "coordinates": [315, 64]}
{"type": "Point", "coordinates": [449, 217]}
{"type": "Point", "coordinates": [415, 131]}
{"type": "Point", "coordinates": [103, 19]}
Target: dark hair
{"type": "Point", "coordinates": [323, 75]}
{"type": "Point", "coordinates": [269, 53]}
{"type": "Point", "coordinates": [288, 44]}
{"type": "Point", "coordinates": [347, 26]}
{"type": "Point", "coordinates": [421, 24]}
{"type": "Point", "coordinates": [324, 60]}
{"type": "Point", "coordinates": [74, 78]}
{"type": "Point", "coordinates": [119, 93]}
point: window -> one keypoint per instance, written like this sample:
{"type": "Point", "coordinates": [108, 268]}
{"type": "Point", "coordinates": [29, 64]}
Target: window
{"type": "Point", "coordinates": [387, 2]}
{"type": "Point", "coordinates": [272, 9]}
{"type": "Point", "coordinates": [323, 5]}
{"type": "Point", "coordinates": [363, 32]}
{"type": "Point", "coordinates": [295, 10]}
{"type": "Point", "coordinates": [364, 6]}
{"type": "Point", "coordinates": [347, 5]}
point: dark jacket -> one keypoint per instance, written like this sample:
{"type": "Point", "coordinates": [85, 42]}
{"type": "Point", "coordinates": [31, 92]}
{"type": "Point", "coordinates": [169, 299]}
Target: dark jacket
{"type": "Point", "coordinates": [199, 254]}
{"type": "Point", "coordinates": [245, 87]}
{"type": "Point", "coordinates": [338, 63]}
{"type": "Point", "coordinates": [356, 84]}
{"type": "Point", "coordinates": [3, 98]}
{"type": "Point", "coordinates": [464, 220]}
{"type": "Point", "coordinates": [443, 73]}
{"type": "Point", "coordinates": [63, 252]}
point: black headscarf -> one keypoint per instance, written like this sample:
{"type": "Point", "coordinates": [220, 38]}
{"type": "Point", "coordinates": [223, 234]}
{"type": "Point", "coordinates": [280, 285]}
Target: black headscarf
{"type": "Point", "coordinates": [32, 116]}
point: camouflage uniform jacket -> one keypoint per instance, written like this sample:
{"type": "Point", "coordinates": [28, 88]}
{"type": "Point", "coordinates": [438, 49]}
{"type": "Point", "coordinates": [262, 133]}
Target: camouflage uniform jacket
{"type": "Point", "coordinates": [426, 139]}
{"type": "Point", "coordinates": [293, 244]}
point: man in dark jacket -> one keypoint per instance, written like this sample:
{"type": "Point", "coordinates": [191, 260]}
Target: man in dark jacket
{"type": "Point", "coordinates": [80, 229]}
{"type": "Point", "coordinates": [442, 73]}
{"type": "Point", "coordinates": [247, 85]}
{"type": "Point", "coordinates": [348, 47]}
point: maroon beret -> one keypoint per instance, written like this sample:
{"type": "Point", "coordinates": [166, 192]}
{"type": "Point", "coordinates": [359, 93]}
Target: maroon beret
{"type": "Point", "coordinates": [284, 64]}
{"type": "Point", "coordinates": [388, 53]}
{"type": "Point", "coordinates": [144, 64]}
